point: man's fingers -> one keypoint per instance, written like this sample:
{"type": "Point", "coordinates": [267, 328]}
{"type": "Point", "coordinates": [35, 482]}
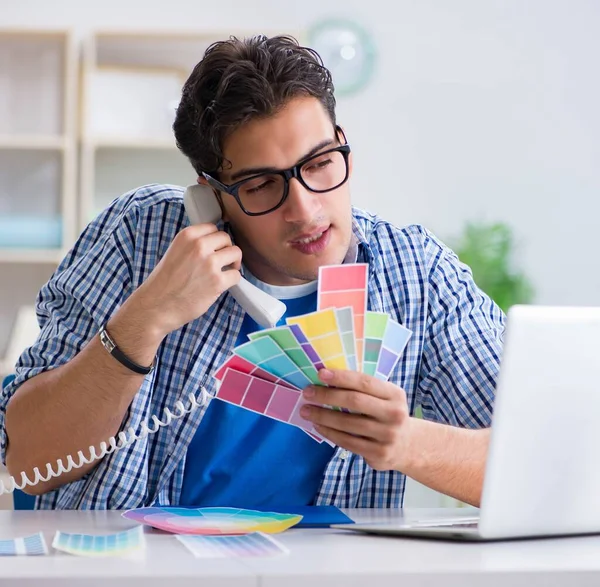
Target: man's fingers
{"type": "Point", "coordinates": [353, 424]}
{"type": "Point", "coordinates": [353, 401]}
{"type": "Point", "coordinates": [355, 444]}
{"type": "Point", "coordinates": [195, 231]}
{"type": "Point", "coordinates": [356, 380]}
{"type": "Point", "coordinates": [216, 240]}
{"type": "Point", "coordinates": [206, 237]}
{"type": "Point", "coordinates": [228, 258]}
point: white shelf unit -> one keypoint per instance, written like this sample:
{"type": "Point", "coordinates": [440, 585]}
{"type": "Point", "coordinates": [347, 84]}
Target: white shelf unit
{"type": "Point", "coordinates": [38, 149]}
{"type": "Point", "coordinates": [131, 85]}
{"type": "Point", "coordinates": [37, 145]}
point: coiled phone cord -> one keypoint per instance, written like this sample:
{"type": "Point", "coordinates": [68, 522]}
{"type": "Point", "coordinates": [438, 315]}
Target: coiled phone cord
{"type": "Point", "coordinates": [124, 439]}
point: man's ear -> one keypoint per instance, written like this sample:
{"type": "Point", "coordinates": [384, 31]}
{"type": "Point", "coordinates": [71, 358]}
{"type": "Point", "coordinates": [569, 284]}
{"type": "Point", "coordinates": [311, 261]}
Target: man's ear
{"type": "Point", "coordinates": [203, 181]}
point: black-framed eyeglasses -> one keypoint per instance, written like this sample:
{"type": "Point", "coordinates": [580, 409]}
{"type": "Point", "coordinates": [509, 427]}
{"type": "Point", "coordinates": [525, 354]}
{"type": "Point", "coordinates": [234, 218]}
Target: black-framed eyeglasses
{"type": "Point", "coordinates": [265, 192]}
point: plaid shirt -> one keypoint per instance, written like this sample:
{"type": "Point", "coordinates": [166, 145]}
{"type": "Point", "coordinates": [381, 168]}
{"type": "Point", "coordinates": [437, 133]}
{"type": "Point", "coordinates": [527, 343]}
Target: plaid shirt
{"type": "Point", "coordinates": [449, 366]}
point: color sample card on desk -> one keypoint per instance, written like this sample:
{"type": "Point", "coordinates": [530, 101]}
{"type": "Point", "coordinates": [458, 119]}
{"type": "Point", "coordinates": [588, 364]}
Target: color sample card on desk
{"type": "Point", "coordinates": [126, 543]}
{"type": "Point", "coordinates": [212, 521]}
{"type": "Point", "coordinates": [255, 545]}
{"type": "Point", "coordinates": [33, 545]}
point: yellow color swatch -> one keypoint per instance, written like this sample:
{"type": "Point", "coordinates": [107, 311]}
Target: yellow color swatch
{"type": "Point", "coordinates": [322, 331]}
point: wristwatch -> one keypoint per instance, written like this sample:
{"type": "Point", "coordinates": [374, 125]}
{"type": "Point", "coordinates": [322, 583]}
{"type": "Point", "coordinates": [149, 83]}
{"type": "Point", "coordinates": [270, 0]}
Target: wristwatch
{"type": "Point", "coordinates": [111, 346]}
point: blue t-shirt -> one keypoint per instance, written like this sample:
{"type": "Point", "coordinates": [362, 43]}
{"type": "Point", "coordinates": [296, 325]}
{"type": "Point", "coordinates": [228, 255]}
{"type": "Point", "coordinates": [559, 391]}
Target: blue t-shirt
{"type": "Point", "coordinates": [238, 458]}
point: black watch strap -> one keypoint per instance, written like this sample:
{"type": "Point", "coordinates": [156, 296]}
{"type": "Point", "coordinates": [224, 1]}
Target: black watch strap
{"type": "Point", "coordinates": [111, 346]}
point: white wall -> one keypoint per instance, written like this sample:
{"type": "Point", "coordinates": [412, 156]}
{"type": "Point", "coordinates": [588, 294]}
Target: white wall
{"type": "Point", "coordinates": [478, 109]}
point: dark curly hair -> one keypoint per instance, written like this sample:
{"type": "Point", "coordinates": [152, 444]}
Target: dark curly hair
{"type": "Point", "coordinates": [239, 80]}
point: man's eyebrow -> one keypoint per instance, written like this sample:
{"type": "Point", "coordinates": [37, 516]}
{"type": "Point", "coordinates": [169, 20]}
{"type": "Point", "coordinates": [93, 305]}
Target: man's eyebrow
{"type": "Point", "coordinates": [247, 171]}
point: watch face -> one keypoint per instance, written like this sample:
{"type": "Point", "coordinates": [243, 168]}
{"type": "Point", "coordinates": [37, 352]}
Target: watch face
{"type": "Point", "coordinates": [347, 51]}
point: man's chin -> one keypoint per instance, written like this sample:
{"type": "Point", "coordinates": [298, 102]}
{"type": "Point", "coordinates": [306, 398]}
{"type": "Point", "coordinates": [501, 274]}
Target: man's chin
{"type": "Point", "coordinates": [310, 271]}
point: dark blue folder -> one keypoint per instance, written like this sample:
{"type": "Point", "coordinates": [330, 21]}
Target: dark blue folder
{"type": "Point", "coordinates": [317, 516]}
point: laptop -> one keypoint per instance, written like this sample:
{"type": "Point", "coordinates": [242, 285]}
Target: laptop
{"type": "Point", "coordinates": [542, 476]}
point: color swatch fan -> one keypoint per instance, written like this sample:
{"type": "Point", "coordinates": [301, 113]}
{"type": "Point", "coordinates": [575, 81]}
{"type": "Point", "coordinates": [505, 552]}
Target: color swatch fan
{"type": "Point", "coordinates": [212, 521]}
{"type": "Point", "coordinates": [267, 374]}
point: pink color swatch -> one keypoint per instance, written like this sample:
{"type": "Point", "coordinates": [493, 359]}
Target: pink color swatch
{"type": "Point", "coordinates": [242, 365]}
{"type": "Point", "coordinates": [343, 286]}
{"type": "Point", "coordinates": [266, 398]}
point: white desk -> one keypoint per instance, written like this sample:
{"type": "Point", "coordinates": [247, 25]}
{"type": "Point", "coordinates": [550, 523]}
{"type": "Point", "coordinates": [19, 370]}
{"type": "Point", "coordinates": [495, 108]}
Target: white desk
{"type": "Point", "coordinates": [6, 499]}
{"type": "Point", "coordinates": [319, 557]}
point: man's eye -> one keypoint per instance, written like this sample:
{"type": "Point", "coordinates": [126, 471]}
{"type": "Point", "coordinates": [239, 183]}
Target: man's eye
{"type": "Point", "coordinates": [259, 187]}
{"type": "Point", "coordinates": [321, 164]}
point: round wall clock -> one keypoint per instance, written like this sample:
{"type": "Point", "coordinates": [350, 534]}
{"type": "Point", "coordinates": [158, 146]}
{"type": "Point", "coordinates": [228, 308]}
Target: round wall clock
{"type": "Point", "coordinates": [347, 51]}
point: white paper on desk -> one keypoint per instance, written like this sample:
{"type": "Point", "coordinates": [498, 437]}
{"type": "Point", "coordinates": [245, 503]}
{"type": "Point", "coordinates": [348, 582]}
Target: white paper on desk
{"type": "Point", "coordinates": [253, 545]}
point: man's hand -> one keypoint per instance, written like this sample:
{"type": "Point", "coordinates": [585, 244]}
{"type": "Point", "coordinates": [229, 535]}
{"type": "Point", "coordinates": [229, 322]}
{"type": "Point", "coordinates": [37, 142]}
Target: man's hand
{"type": "Point", "coordinates": [200, 264]}
{"type": "Point", "coordinates": [379, 427]}
{"type": "Point", "coordinates": [446, 458]}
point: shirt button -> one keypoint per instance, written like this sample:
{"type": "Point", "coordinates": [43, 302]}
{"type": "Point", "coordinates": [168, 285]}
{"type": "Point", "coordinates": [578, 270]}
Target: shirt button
{"type": "Point", "coordinates": [344, 455]}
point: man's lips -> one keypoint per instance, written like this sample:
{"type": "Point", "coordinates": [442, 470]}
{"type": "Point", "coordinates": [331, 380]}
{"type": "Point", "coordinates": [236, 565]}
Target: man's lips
{"type": "Point", "coordinates": [307, 237]}
{"type": "Point", "coordinates": [314, 243]}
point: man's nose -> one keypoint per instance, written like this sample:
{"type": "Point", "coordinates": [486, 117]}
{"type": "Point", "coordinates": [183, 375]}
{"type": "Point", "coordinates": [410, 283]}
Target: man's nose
{"type": "Point", "coordinates": [301, 205]}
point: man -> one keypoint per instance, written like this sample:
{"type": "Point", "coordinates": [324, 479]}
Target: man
{"type": "Point", "coordinates": [257, 122]}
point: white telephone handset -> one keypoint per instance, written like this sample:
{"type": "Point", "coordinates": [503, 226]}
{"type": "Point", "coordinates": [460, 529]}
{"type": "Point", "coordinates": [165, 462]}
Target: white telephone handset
{"type": "Point", "coordinates": [201, 206]}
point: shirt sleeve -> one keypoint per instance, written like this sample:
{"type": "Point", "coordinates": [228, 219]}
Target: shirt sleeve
{"type": "Point", "coordinates": [87, 287]}
{"type": "Point", "coordinates": [462, 346]}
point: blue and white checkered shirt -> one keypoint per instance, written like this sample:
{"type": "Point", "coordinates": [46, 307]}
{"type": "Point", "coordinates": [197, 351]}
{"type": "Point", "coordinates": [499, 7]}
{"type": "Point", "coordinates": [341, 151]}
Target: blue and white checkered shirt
{"type": "Point", "coordinates": [449, 367]}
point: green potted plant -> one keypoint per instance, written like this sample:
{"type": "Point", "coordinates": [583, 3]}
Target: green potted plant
{"type": "Point", "coordinates": [487, 249]}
